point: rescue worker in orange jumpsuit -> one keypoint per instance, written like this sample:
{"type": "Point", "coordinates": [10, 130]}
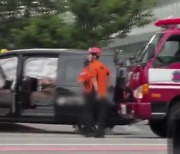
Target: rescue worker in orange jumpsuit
{"type": "Point", "coordinates": [86, 123]}
{"type": "Point", "coordinates": [100, 77]}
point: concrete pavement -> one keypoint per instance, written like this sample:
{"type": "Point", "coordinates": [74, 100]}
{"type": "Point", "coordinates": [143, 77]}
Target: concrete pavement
{"type": "Point", "coordinates": [38, 138]}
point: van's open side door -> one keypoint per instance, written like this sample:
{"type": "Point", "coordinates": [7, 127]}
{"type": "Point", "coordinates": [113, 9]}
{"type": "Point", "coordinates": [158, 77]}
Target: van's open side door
{"type": "Point", "coordinates": [8, 73]}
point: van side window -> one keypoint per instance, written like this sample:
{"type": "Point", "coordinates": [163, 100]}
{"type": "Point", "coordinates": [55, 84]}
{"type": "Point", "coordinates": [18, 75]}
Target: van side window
{"type": "Point", "coordinates": [8, 70]}
{"type": "Point", "coordinates": [108, 61]}
{"type": "Point", "coordinates": [170, 52]}
{"type": "Point", "coordinates": [72, 70]}
{"type": "Point", "coordinates": [39, 81]}
{"type": "Point", "coordinates": [41, 67]}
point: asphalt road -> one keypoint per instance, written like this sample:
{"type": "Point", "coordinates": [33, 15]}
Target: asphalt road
{"type": "Point", "coordinates": [52, 139]}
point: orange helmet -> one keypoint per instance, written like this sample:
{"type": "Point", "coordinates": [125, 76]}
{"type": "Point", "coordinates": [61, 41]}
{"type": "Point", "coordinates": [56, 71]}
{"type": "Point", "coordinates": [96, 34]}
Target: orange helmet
{"type": "Point", "coordinates": [95, 50]}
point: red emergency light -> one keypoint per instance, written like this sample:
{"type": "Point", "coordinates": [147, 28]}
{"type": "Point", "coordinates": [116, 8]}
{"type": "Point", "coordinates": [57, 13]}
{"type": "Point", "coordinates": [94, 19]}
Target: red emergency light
{"type": "Point", "coordinates": [167, 22]}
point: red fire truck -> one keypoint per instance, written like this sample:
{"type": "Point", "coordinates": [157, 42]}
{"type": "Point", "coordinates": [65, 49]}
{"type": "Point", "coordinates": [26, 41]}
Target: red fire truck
{"type": "Point", "coordinates": [153, 80]}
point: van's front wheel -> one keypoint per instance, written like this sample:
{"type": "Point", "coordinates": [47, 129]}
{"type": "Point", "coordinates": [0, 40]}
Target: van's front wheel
{"type": "Point", "coordinates": [159, 127]}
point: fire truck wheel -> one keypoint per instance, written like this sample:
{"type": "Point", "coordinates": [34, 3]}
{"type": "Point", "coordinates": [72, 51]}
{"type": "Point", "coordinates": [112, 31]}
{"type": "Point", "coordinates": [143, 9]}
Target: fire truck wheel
{"type": "Point", "coordinates": [158, 127]}
{"type": "Point", "coordinates": [171, 116]}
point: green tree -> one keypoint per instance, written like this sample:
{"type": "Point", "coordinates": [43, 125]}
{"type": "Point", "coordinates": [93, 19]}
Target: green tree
{"type": "Point", "coordinates": [95, 23]}
{"type": "Point", "coordinates": [16, 14]}
{"type": "Point", "coordinates": [97, 20]}
{"type": "Point", "coordinates": [44, 32]}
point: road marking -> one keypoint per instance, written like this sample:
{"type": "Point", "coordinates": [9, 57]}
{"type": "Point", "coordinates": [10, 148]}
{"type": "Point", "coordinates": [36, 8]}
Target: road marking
{"type": "Point", "coordinates": [40, 144]}
{"type": "Point", "coordinates": [84, 148]}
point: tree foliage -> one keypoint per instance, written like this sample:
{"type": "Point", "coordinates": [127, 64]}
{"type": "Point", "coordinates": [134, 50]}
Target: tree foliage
{"type": "Point", "coordinates": [15, 14]}
{"type": "Point", "coordinates": [44, 32]}
{"type": "Point", "coordinates": [41, 23]}
{"type": "Point", "coordinates": [97, 20]}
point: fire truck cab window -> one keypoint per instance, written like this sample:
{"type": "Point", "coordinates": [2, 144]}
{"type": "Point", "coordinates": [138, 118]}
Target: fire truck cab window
{"type": "Point", "coordinates": [170, 52]}
{"type": "Point", "coordinates": [146, 54]}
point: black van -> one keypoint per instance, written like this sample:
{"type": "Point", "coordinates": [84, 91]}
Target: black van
{"type": "Point", "coordinates": [40, 86]}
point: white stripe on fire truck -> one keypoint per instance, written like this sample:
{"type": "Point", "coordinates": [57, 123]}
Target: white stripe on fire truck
{"type": "Point", "coordinates": [163, 87]}
{"type": "Point", "coordinates": [166, 83]}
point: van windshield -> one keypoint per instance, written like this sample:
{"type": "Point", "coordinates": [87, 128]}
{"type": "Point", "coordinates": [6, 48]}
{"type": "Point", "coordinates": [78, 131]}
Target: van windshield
{"type": "Point", "coordinates": [146, 54]}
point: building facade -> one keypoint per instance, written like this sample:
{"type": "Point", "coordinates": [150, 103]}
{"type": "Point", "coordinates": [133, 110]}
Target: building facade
{"type": "Point", "coordinates": [138, 37]}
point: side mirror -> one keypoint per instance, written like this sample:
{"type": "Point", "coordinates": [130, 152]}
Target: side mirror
{"type": "Point", "coordinates": [128, 62]}
{"type": "Point", "coordinates": [131, 58]}
{"type": "Point", "coordinates": [117, 55]}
